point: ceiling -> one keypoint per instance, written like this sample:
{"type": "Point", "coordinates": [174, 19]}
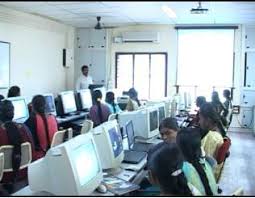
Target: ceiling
{"type": "Point", "coordinates": [83, 14]}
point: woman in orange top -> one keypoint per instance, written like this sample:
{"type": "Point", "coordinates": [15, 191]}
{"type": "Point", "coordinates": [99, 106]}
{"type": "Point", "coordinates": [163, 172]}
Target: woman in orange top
{"type": "Point", "coordinates": [43, 126]}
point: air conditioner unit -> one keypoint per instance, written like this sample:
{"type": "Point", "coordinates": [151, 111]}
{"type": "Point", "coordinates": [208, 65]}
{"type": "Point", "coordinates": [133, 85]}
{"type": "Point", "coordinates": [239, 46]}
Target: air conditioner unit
{"type": "Point", "coordinates": [132, 37]}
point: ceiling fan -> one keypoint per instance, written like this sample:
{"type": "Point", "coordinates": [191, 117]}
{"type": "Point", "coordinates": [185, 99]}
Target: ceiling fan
{"type": "Point", "coordinates": [99, 26]}
{"type": "Point", "coordinates": [199, 9]}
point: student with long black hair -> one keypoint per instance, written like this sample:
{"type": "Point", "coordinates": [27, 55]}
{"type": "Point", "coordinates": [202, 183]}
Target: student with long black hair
{"type": "Point", "coordinates": [110, 101]}
{"type": "Point", "coordinates": [133, 102]}
{"type": "Point", "coordinates": [12, 133]}
{"type": "Point", "coordinates": [99, 112]}
{"type": "Point", "coordinates": [43, 126]}
{"type": "Point", "coordinates": [228, 105]}
{"type": "Point", "coordinates": [165, 165]}
{"type": "Point", "coordinates": [219, 107]}
{"type": "Point", "coordinates": [210, 123]}
{"type": "Point", "coordinates": [189, 141]}
{"type": "Point", "coordinates": [14, 91]}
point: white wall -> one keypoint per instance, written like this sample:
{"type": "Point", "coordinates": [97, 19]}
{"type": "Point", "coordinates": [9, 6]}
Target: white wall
{"type": "Point", "coordinates": [36, 52]}
{"type": "Point", "coordinates": [168, 44]}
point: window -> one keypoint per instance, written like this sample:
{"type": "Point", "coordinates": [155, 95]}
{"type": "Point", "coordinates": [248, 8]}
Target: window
{"type": "Point", "coordinates": [146, 72]}
{"type": "Point", "coordinates": [205, 60]}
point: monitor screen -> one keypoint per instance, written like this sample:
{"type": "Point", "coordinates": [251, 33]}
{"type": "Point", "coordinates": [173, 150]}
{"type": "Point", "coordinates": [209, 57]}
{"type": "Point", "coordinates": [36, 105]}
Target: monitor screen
{"type": "Point", "coordinates": [50, 104]}
{"type": "Point", "coordinates": [153, 120]}
{"type": "Point", "coordinates": [20, 108]}
{"type": "Point", "coordinates": [71, 168]}
{"type": "Point", "coordinates": [86, 100]}
{"type": "Point", "coordinates": [68, 102]}
{"type": "Point", "coordinates": [161, 112]}
{"type": "Point", "coordinates": [124, 139]}
{"type": "Point", "coordinates": [130, 133]}
{"type": "Point", "coordinates": [116, 141]}
{"type": "Point", "coordinates": [86, 162]}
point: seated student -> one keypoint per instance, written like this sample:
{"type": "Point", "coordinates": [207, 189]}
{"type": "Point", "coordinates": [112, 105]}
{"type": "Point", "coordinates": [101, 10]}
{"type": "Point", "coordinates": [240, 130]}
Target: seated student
{"type": "Point", "coordinates": [210, 123]}
{"type": "Point", "coordinates": [189, 141]}
{"type": "Point", "coordinates": [15, 134]}
{"type": "Point", "coordinates": [168, 129]}
{"type": "Point", "coordinates": [133, 103]}
{"type": "Point", "coordinates": [99, 112]}
{"type": "Point", "coordinates": [228, 105]}
{"type": "Point", "coordinates": [165, 170]}
{"type": "Point", "coordinates": [212, 138]}
{"type": "Point", "coordinates": [219, 107]}
{"type": "Point", "coordinates": [42, 126]}
{"type": "Point", "coordinates": [199, 102]}
{"type": "Point", "coordinates": [109, 99]}
{"type": "Point", "coordinates": [14, 91]}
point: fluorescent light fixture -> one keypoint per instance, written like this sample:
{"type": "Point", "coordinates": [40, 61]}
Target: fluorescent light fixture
{"type": "Point", "coordinates": [169, 11]}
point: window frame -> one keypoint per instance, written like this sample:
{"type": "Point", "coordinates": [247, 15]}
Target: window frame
{"type": "Point", "coordinates": [133, 65]}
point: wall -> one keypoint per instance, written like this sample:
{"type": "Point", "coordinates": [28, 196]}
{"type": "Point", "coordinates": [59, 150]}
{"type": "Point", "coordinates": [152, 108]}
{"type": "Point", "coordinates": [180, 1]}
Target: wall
{"type": "Point", "coordinates": [168, 43]}
{"type": "Point", "coordinates": [36, 52]}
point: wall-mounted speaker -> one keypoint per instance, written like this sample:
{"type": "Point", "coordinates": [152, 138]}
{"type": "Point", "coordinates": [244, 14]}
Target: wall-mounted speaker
{"type": "Point", "coordinates": [67, 57]}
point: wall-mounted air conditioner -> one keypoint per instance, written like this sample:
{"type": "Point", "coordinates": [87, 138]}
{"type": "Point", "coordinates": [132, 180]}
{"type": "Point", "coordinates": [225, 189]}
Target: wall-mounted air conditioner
{"type": "Point", "coordinates": [133, 37]}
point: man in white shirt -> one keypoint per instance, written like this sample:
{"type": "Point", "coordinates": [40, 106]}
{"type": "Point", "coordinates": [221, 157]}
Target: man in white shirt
{"type": "Point", "coordinates": [84, 80]}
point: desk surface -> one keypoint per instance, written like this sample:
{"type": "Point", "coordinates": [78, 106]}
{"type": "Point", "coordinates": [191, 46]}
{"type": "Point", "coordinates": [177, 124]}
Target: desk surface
{"type": "Point", "coordinates": [28, 192]}
{"type": "Point", "coordinates": [71, 118]}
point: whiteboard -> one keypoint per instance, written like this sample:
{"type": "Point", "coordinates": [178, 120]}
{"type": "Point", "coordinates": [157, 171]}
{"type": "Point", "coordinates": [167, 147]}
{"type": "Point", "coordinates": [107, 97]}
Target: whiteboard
{"type": "Point", "coordinates": [4, 64]}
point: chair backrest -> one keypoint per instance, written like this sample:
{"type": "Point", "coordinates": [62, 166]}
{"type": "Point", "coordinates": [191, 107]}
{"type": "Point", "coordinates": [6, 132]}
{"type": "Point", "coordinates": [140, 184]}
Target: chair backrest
{"type": "Point", "coordinates": [26, 156]}
{"type": "Point", "coordinates": [238, 192]}
{"type": "Point", "coordinates": [59, 136]}
{"type": "Point", "coordinates": [87, 126]}
{"type": "Point", "coordinates": [223, 150]}
{"type": "Point", "coordinates": [112, 116]}
{"type": "Point", "coordinates": [1, 165]}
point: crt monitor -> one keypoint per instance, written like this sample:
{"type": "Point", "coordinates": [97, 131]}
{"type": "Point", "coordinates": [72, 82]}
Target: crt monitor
{"type": "Point", "coordinates": [20, 109]}
{"type": "Point", "coordinates": [68, 102]}
{"type": "Point", "coordinates": [145, 121]}
{"type": "Point", "coordinates": [50, 104]}
{"type": "Point", "coordinates": [109, 143]}
{"type": "Point", "coordinates": [85, 99]}
{"type": "Point", "coordinates": [71, 168]}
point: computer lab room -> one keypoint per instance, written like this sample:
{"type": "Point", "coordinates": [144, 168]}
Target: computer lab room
{"type": "Point", "coordinates": [119, 98]}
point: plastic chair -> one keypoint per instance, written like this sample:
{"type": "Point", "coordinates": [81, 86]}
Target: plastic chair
{"type": "Point", "coordinates": [223, 151]}
{"type": "Point", "coordinates": [59, 136]}
{"type": "Point", "coordinates": [1, 165]}
{"type": "Point", "coordinates": [26, 156]}
{"type": "Point", "coordinates": [238, 192]}
{"type": "Point", "coordinates": [113, 116]}
{"type": "Point", "coordinates": [87, 126]}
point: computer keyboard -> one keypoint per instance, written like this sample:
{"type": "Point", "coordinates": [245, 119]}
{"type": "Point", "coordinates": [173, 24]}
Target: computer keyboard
{"type": "Point", "coordinates": [142, 147]}
{"type": "Point", "coordinates": [133, 157]}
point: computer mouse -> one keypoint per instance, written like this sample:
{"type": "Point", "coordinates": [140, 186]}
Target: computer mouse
{"type": "Point", "coordinates": [102, 188]}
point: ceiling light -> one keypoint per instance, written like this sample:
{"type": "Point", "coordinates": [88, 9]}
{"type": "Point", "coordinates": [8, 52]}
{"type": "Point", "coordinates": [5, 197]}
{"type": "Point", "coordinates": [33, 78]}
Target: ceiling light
{"type": "Point", "coordinates": [169, 11]}
{"type": "Point", "coordinates": [199, 9]}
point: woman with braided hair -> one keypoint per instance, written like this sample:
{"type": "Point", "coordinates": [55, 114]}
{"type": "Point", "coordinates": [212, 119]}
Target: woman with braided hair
{"type": "Point", "coordinates": [165, 165]}
{"type": "Point", "coordinates": [43, 126]}
{"type": "Point", "coordinates": [189, 141]}
{"type": "Point", "coordinates": [210, 123]}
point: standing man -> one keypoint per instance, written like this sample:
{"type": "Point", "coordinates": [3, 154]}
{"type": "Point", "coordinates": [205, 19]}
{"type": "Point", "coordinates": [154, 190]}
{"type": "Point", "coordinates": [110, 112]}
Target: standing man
{"type": "Point", "coordinates": [84, 80]}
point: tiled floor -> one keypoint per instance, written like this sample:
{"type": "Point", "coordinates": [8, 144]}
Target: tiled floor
{"type": "Point", "coordinates": [239, 168]}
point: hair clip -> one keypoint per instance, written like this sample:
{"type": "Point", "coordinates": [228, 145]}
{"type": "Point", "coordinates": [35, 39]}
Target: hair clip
{"type": "Point", "coordinates": [176, 173]}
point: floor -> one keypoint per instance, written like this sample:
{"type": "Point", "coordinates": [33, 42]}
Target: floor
{"type": "Point", "coordinates": [239, 169]}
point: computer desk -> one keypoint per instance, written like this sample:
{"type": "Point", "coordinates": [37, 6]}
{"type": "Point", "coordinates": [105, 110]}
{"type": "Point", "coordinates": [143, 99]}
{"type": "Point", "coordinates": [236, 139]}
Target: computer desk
{"type": "Point", "coordinates": [71, 118]}
{"type": "Point", "coordinates": [136, 169]}
{"type": "Point", "coordinates": [134, 173]}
